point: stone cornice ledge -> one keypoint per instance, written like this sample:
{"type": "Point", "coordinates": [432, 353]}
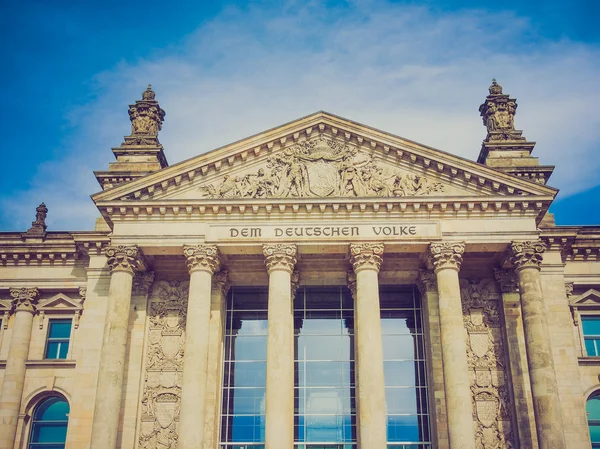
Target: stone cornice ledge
{"type": "Point", "coordinates": [60, 363]}
{"type": "Point", "coordinates": [532, 206]}
{"type": "Point", "coordinates": [594, 361]}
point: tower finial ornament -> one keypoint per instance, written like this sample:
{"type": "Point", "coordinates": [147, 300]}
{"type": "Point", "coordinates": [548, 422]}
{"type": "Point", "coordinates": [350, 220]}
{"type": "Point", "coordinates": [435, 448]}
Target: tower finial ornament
{"type": "Point", "coordinates": [38, 227]}
{"type": "Point", "coordinates": [146, 115]}
{"type": "Point", "coordinates": [498, 114]}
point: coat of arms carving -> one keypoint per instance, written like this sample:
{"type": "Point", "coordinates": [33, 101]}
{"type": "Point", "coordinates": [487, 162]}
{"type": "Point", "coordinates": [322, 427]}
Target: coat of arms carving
{"type": "Point", "coordinates": [321, 167]}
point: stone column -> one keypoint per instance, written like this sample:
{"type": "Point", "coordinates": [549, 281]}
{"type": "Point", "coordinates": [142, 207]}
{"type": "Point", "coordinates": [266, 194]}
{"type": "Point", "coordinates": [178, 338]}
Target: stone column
{"type": "Point", "coordinates": [24, 305]}
{"type": "Point", "coordinates": [123, 262]}
{"type": "Point", "coordinates": [279, 420]}
{"type": "Point", "coordinates": [526, 258]}
{"type": "Point", "coordinates": [202, 261]}
{"type": "Point", "coordinates": [517, 358]}
{"type": "Point", "coordinates": [426, 282]}
{"type": "Point", "coordinates": [214, 376]}
{"type": "Point", "coordinates": [446, 258]}
{"type": "Point", "coordinates": [366, 260]}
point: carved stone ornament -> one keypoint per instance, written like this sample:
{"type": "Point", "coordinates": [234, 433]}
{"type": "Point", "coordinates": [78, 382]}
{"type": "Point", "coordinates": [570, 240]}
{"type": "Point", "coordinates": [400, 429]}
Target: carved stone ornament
{"type": "Point", "coordinates": [492, 418]}
{"type": "Point", "coordinates": [83, 293]}
{"type": "Point", "coordinates": [526, 254]}
{"type": "Point", "coordinates": [221, 281]}
{"type": "Point", "coordinates": [508, 280]}
{"type": "Point", "coordinates": [125, 258]}
{"type": "Point", "coordinates": [146, 115]}
{"type": "Point", "coordinates": [321, 167]}
{"type": "Point", "coordinates": [427, 281]}
{"type": "Point", "coordinates": [38, 227]}
{"type": "Point", "coordinates": [142, 282]}
{"type": "Point", "coordinates": [569, 289]}
{"type": "Point", "coordinates": [202, 257]}
{"type": "Point", "coordinates": [351, 281]}
{"type": "Point", "coordinates": [163, 368]}
{"type": "Point", "coordinates": [25, 299]}
{"type": "Point", "coordinates": [366, 256]}
{"type": "Point", "coordinates": [498, 114]}
{"type": "Point", "coordinates": [280, 256]}
{"type": "Point", "coordinates": [446, 255]}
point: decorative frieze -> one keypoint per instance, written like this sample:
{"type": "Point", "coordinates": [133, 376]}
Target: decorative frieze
{"type": "Point", "coordinates": [280, 257]}
{"type": "Point", "coordinates": [446, 255]}
{"type": "Point", "coordinates": [161, 395]}
{"type": "Point", "coordinates": [202, 257]}
{"type": "Point", "coordinates": [527, 254]}
{"type": "Point", "coordinates": [25, 299]}
{"type": "Point", "coordinates": [322, 167]}
{"type": "Point", "coordinates": [366, 256]}
{"type": "Point", "coordinates": [221, 281]}
{"type": "Point", "coordinates": [508, 280]}
{"type": "Point", "coordinates": [486, 361]}
{"type": "Point", "coordinates": [125, 258]}
{"type": "Point", "coordinates": [142, 283]}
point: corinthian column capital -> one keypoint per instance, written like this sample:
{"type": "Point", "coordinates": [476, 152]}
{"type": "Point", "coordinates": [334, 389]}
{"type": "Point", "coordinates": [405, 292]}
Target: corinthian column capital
{"type": "Point", "coordinates": [280, 256]}
{"type": "Point", "coordinates": [221, 281]}
{"type": "Point", "coordinates": [446, 255]}
{"type": "Point", "coordinates": [202, 258]}
{"type": "Point", "coordinates": [426, 282]}
{"type": "Point", "coordinates": [366, 256]}
{"type": "Point", "coordinates": [125, 258]}
{"type": "Point", "coordinates": [508, 280]}
{"type": "Point", "coordinates": [24, 299]}
{"type": "Point", "coordinates": [527, 254]}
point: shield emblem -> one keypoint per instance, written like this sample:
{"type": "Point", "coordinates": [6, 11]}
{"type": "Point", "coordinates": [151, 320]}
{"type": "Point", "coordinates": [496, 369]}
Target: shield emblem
{"type": "Point", "coordinates": [476, 315]}
{"type": "Point", "coordinates": [486, 411]}
{"type": "Point", "coordinates": [166, 406]}
{"type": "Point", "coordinates": [483, 378]}
{"type": "Point", "coordinates": [480, 343]}
{"type": "Point", "coordinates": [170, 346]}
{"type": "Point", "coordinates": [323, 177]}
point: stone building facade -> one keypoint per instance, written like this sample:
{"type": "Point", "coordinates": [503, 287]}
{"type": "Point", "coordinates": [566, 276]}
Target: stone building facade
{"type": "Point", "coordinates": [318, 285]}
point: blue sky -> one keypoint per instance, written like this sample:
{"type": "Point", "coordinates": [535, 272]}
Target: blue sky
{"type": "Point", "coordinates": [226, 70]}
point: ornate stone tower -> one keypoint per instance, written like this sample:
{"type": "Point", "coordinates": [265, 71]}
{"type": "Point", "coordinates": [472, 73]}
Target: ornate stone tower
{"type": "Point", "coordinates": [504, 147]}
{"type": "Point", "coordinates": [141, 153]}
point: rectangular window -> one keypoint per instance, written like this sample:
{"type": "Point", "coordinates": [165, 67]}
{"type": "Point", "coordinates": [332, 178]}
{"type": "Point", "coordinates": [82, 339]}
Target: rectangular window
{"type": "Point", "coordinates": [591, 335]}
{"type": "Point", "coordinates": [59, 332]}
{"type": "Point", "coordinates": [404, 369]}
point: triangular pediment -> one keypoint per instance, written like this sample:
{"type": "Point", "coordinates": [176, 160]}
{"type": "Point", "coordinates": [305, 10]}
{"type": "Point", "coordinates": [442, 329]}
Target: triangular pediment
{"type": "Point", "coordinates": [59, 302]}
{"type": "Point", "coordinates": [589, 298]}
{"type": "Point", "coordinates": [318, 157]}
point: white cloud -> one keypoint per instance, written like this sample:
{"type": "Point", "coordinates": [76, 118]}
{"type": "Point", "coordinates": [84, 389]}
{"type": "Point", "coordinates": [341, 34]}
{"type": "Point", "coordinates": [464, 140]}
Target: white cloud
{"type": "Point", "coordinates": [403, 69]}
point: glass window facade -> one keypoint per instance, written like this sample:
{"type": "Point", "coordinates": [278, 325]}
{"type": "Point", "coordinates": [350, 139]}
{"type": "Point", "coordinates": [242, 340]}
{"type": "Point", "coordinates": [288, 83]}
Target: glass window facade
{"type": "Point", "coordinates": [49, 424]}
{"type": "Point", "coordinates": [59, 333]}
{"type": "Point", "coordinates": [325, 396]}
{"type": "Point", "coordinates": [245, 370]}
{"type": "Point", "coordinates": [404, 369]}
{"type": "Point", "coordinates": [591, 335]}
{"type": "Point", "coordinates": [593, 414]}
{"type": "Point", "coordinates": [325, 407]}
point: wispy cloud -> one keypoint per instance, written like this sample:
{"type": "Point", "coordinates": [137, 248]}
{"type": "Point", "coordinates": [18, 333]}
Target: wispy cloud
{"type": "Point", "coordinates": [403, 69]}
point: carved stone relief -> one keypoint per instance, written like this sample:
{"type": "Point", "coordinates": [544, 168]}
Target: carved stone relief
{"type": "Point", "coordinates": [321, 167]}
{"type": "Point", "coordinates": [486, 359]}
{"type": "Point", "coordinates": [163, 366]}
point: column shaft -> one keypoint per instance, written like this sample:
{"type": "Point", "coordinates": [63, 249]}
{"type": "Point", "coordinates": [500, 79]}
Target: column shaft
{"type": "Point", "coordinates": [446, 259]}
{"type": "Point", "coordinates": [202, 261]}
{"type": "Point", "coordinates": [14, 373]}
{"type": "Point", "coordinates": [112, 362]}
{"type": "Point", "coordinates": [122, 260]}
{"type": "Point", "coordinates": [279, 419]}
{"type": "Point", "coordinates": [372, 417]}
{"type": "Point", "coordinates": [527, 257]}
{"type": "Point", "coordinates": [369, 347]}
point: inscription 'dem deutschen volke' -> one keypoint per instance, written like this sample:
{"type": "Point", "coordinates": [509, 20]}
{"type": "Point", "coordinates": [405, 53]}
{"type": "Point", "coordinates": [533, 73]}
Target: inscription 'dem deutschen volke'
{"type": "Point", "coordinates": [327, 231]}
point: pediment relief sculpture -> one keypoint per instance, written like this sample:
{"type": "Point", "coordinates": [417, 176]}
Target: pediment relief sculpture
{"type": "Point", "coordinates": [322, 168]}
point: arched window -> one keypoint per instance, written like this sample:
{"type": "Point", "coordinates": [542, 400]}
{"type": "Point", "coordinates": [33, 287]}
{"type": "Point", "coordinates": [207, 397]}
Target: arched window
{"type": "Point", "coordinates": [593, 413]}
{"type": "Point", "coordinates": [49, 425]}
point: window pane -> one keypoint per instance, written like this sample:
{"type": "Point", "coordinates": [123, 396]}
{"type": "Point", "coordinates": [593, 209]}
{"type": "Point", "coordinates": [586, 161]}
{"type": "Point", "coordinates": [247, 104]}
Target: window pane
{"type": "Point", "coordinates": [250, 348]}
{"type": "Point", "coordinates": [64, 348]}
{"type": "Point", "coordinates": [49, 433]}
{"type": "Point", "coordinates": [52, 350]}
{"type": "Point", "coordinates": [590, 347]}
{"type": "Point", "coordinates": [249, 374]}
{"type": "Point", "coordinates": [591, 325]}
{"type": "Point", "coordinates": [52, 409]}
{"type": "Point", "coordinates": [403, 428]}
{"type": "Point", "coordinates": [60, 329]}
{"type": "Point", "coordinates": [593, 408]}
{"type": "Point", "coordinates": [401, 400]}
{"type": "Point", "coordinates": [398, 347]}
{"type": "Point", "coordinates": [323, 347]}
{"type": "Point", "coordinates": [595, 433]}
{"type": "Point", "coordinates": [400, 374]}
{"type": "Point", "coordinates": [248, 401]}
